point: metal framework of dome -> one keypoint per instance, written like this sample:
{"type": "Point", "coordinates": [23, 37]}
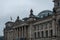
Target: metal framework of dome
{"type": "Point", "coordinates": [45, 13]}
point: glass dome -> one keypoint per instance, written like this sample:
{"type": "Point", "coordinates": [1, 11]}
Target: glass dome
{"type": "Point", "coordinates": [45, 13]}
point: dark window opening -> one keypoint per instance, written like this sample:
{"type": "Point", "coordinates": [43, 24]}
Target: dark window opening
{"type": "Point", "coordinates": [51, 33]}
{"type": "Point", "coordinates": [38, 34]}
{"type": "Point", "coordinates": [46, 33]}
{"type": "Point", "coordinates": [58, 3]}
{"type": "Point", "coordinates": [59, 22]}
{"type": "Point", "coordinates": [42, 34]}
{"type": "Point", "coordinates": [35, 34]}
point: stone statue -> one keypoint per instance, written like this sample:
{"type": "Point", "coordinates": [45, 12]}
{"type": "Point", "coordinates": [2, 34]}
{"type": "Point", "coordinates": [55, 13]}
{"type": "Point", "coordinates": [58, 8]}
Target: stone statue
{"type": "Point", "coordinates": [54, 11]}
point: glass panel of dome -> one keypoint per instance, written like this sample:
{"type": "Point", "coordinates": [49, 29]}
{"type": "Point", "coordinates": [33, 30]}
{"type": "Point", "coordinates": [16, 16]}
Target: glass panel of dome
{"type": "Point", "coordinates": [45, 14]}
{"type": "Point", "coordinates": [41, 16]}
{"type": "Point", "coordinates": [51, 13]}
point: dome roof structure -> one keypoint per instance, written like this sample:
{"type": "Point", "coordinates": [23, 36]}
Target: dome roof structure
{"type": "Point", "coordinates": [45, 13]}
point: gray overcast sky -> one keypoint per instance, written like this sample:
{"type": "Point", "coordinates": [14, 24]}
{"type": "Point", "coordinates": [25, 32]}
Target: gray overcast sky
{"type": "Point", "coordinates": [21, 8]}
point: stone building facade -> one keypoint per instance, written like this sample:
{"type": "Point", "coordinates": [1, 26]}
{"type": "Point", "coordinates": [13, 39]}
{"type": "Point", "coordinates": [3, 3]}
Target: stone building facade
{"type": "Point", "coordinates": [44, 26]}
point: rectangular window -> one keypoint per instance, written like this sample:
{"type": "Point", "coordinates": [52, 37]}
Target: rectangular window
{"type": "Point", "coordinates": [51, 33]}
{"type": "Point", "coordinates": [35, 28]}
{"type": "Point", "coordinates": [41, 27]}
{"type": "Point", "coordinates": [50, 25]}
{"type": "Point", "coordinates": [42, 34]}
{"type": "Point", "coordinates": [35, 34]}
{"type": "Point", "coordinates": [38, 27]}
{"type": "Point", "coordinates": [46, 33]}
{"type": "Point", "coordinates": [38, 34]}
{"type": "Point", "coordinates": [46, 26]}
{"type": "Point", "coordinates": [58, 3]}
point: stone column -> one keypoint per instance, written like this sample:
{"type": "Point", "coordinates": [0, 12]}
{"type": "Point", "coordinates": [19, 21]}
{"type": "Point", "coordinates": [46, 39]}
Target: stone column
{"type": "Point", "coordinates": [22, 32]}
{"type": "Point", "coordinates": [17, 33]}
{"type": "Point", "coordinates": [48, 30]}
{"type": "Point", "coordinates": [25, 31]}
{"type": "Point", "coordinates": [44, 31]}
{"type": "Point", "coordinates": [31, 31]}
{"type": "Point", "coordinates": [54, 28]}
{"type": "Point", "coordinates": [13, 34]}
{"type": "Point", "coordinates": [8, 36]}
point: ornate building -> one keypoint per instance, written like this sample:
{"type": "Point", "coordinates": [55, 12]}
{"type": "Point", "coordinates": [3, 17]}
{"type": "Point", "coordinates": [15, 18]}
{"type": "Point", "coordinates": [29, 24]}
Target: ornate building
{"type": "Point", "coordinates": [44, 26]}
